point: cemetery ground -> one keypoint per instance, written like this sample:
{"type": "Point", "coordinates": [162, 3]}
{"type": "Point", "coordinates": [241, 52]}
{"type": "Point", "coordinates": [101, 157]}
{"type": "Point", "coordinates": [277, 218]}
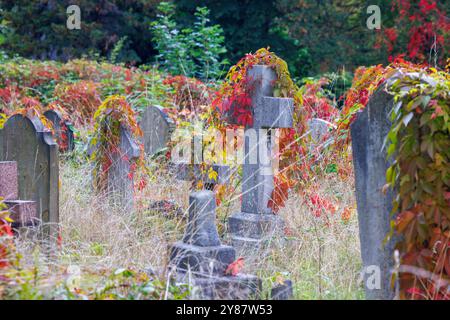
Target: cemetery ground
{"type": "Point", "coordinates": [321, 256]}
{"type": "Point", "coordinates": [94, 204]}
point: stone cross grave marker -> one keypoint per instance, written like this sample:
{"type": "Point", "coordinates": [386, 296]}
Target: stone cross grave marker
{"type": "Point", "coordinates": [202, 256]}
{"type": "Point", "coordinates": [157, 128]}
{"type": "Point", "coordinates": [120, 185]}
{"type": "Point", "coordinates": [25, 141]}
{"type": "Point", "coordinates": [368, 133]}
{"type": "Point", "coordinates": [256, 222]}
{"type": "Point", "coordinates": [197, 169]}
{"type": "Point", "coordinates": [62, 131]}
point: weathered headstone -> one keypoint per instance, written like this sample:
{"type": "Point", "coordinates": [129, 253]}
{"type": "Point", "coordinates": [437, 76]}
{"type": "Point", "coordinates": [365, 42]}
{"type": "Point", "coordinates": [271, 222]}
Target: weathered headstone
{"type": "Point", "coordinates": [157, 128]}
{"type": "Point", "coordinates": [62, 131]}
{"type": "Point", "coordinates": [368, 132]}
{"type": "Point", "coordinates": [26, 141]}
{"type": "Point", "coordinates": [202, 256]}
{"type": "Point", "coordinates": [198, 170]}
{"type": "Point", "coordinates": [256, 223]}
{"type": "Point", "coordinates": [120, 183]}
{"type": "Point", "coordinates": [319, 130]}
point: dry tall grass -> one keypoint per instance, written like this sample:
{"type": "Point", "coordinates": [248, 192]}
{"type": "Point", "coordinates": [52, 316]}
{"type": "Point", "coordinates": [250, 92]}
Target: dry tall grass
{"type": "Point", "coordinates": [321, 255]}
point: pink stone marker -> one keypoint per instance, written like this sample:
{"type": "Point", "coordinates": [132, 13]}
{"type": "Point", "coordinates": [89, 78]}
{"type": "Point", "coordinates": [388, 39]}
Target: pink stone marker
{"type": "Point", "coordinates": [9, 189]}
{"type": "Point", "coordinates": [22, 212]}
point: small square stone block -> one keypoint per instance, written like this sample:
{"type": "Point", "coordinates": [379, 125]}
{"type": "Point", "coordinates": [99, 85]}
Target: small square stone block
{"type": "Point", "coordinates": [22, 212]}
{"type": "Point", "coordinates": [9, 189]}
{"type": "Point", "coordinates": [202, 260]}
{"type": "Point", "coordinates": [257, 226]}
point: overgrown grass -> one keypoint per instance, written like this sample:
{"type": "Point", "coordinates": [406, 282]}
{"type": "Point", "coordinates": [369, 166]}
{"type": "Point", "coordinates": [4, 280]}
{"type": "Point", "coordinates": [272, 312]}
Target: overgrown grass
{"type": "Point", "coordinates": [321, 254]}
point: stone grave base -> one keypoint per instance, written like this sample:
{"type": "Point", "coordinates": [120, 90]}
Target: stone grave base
{"type": "Point", "coordinates": [207, 260]}
{"type": "Point", "coordinates": [251, 225]}
{"type": "Point", "coordinates": [251, 233]}
{"type": "Point", "coordinates": [239, 287]}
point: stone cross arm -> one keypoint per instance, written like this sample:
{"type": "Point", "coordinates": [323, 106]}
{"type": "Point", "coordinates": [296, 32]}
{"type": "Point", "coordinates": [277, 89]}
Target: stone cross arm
{"type": "Point", "coordinates": [274, 113]}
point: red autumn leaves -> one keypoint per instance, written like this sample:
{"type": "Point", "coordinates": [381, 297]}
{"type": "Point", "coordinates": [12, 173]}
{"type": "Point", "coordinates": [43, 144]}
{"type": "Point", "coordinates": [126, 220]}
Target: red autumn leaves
{"type": "Point", "coordinates": [235, 267]}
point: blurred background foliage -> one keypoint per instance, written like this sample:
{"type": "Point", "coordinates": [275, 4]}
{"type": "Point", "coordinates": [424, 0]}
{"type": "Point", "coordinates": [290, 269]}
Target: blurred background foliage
{"type": "Point", "coordinates": [312, 36]}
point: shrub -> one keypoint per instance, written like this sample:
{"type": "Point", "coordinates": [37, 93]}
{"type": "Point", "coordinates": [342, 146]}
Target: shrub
{"type": "Point", "coordinates": [191, 52]}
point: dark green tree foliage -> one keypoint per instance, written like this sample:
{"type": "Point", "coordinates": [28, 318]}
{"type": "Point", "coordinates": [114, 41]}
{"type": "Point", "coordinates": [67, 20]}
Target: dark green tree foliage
{"type": "Point", "coordinates": [333, 31]}
{"type": "Point", "coordinates": [311, 35]}
{"type": "Point", "coordinates": [249, 25]}
{"type": "Point", "coordinates": [194, 51]}
{"type": "Point", "coordinates": [37, 29]}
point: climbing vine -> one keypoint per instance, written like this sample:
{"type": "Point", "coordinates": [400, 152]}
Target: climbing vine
{"type": "Point", "coordinates": [114, 113]}
{"type": "Point", "coordinates": [3, 118]}
{"type": "Point", "coordinates": [236, 90]}
{"type": "Point", "coordinates": [32, 108]}
{"type": "Point", "coordinates": [423, 25]}
{"type": "Point", "coordinates": [64, 125]}
{"type": "Point", "coordinates": [419, 144]}
{"type": "Point", "coordinates": [5, 235]}
{"type": "Point", "coordinates": [234, 99]}
{"type": "Point", "coordinates": [365, 82]}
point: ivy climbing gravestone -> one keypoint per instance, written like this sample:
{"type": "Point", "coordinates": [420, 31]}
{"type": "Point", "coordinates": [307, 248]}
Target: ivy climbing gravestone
{"type": "Point", "coordinates": [256, 224]}
{"type": "Point", "coordinates": [26, 141]}
{"type": "Point", "coordinates": [201, 257]}
{"type": "Point", "coordinates": [62, 131]}
{"type": "Point", "coordinates": [120, 180]}
{"type": "Point", "coordinates": [198, 167]}
{"type": "Point", "coordinates": [368, 132]}
{"type": "Point", "coordinates": [157, 128]}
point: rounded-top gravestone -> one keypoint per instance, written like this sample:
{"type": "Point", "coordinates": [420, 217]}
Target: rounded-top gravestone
{"type": "Point", "coordinates": [157, 128]}
{"type": "Point", "coordinates": [26, 141]}
{"type": "Point", "coordinates": [63, 133]}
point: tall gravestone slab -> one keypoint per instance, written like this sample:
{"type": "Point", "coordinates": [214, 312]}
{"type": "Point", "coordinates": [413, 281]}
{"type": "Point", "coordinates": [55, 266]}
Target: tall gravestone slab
{"type": "Point", "coordinates": [201, 256]}
{"type": "Point", "coordinates": [257, 224]}
{"type": "Point", "coordinates": [25, 141]}
{"type": "Point", "coordinates": [368, 133]}
{"type": "Point", "coordinates": [157, 128]}
{"type": "Point", "coordinates": [120, 184]}
{"type": "Point", "coordinates": [62, 131]}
